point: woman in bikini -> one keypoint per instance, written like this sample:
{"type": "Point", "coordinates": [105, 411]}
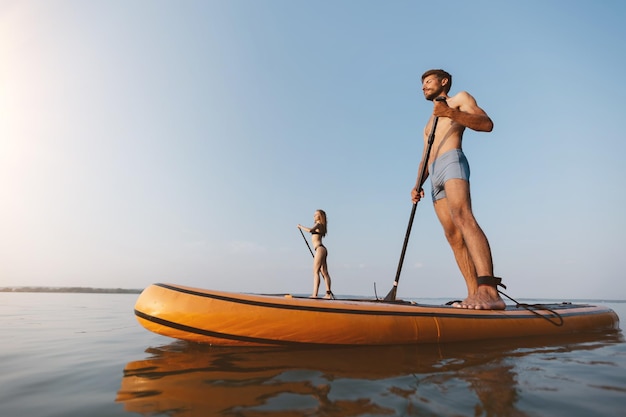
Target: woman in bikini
{"type": "Point", "coordinates": [318, 231]}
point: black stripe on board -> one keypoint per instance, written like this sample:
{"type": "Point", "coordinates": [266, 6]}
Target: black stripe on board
{"type": "Point", "coordinates": [218, 335]}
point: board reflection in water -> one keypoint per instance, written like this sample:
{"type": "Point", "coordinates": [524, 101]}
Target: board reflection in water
{"type": "Point", "coordinates": [184, 379]}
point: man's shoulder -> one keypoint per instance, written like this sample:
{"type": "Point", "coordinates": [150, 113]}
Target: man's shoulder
{"type": "Point", "coordinates": [461, 96]}
{"type": "Point", "coordinates": [462, 100]}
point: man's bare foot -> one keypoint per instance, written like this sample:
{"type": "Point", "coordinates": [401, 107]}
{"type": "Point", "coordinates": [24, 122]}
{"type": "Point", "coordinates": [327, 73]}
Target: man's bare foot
{"type": "Point", "coordinates": [461, 304]}
{"type": "Point", "coordinates": [486, 297]}
{"type": "Point", "coordinates": [328, 295]}
{"type": "Point", "coordinates": [482, 301]}
{"type": "Point", "coordinates": [313, 296]}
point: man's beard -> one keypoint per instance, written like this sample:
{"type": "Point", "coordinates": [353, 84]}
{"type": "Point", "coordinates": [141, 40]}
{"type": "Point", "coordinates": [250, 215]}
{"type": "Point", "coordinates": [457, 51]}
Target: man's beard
{"type": "Point", "coordinates": [434, 94]}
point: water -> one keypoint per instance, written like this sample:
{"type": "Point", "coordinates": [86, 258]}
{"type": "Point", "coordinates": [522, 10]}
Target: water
{"type": "Point", "coordinates": [85, 355]}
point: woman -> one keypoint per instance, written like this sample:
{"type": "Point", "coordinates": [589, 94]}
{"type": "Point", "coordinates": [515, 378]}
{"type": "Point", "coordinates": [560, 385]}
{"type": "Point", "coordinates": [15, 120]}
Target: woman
{"type": "Point", "coordinates": [318, 231]}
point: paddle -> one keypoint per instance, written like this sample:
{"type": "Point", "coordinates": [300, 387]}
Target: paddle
{"type": "Point", "coordinates": [307, 242]}
{"type": "Point", "coordinates": [391, 296]}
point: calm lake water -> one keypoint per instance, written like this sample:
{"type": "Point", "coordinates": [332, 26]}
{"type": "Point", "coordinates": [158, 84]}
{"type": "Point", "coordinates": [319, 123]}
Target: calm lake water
{"type": "Point", "coordinates": [85, 355]}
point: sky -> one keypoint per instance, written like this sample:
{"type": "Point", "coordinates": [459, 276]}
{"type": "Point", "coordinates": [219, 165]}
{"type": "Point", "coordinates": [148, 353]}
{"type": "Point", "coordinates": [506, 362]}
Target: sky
{"type": "Point", "coordinates": [182, 142]}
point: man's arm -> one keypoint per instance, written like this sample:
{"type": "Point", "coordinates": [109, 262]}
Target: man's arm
{"type": "Point", "coordinates": [462, 109]}
{"type": "Point", "coordinates": [417, 192]}
{"type": "Point", "coordinates": [418, 186]}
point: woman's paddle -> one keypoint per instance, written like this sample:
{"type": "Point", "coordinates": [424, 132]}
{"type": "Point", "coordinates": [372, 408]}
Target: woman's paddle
{"type": "Point", "coordinates": [391, 296]}
{"type": "Point", "coordinates": [307, 243]}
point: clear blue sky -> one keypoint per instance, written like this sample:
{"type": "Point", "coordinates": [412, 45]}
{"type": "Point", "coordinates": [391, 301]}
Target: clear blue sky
{"type": "Point", "coordinates": [164, 141]}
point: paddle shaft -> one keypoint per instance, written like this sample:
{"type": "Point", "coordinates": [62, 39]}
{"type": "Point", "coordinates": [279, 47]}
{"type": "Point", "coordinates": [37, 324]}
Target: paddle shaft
{"type": "Point", "coordinates": [307, 242]}
{"type": "Point", "coordinates": [431, 138]}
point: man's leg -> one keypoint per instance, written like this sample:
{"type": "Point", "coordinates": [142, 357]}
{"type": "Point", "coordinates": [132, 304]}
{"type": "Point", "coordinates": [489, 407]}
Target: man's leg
{"type": "Point", "coordinates": [455, 239]}
{"type": "Point", "coordinates": [476, 246]}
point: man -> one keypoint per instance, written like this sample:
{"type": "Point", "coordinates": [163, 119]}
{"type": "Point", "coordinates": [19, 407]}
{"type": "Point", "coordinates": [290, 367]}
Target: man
{"type": "Point", "coordinates": [449, 172]}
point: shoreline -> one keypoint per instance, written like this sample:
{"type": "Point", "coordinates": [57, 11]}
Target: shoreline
{"type": "Point", "coordinates": [72, 290]}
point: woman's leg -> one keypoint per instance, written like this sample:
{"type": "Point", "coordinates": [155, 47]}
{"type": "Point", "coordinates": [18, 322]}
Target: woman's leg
{"type": "Point", "coordinates": [326, 276]}
{"type": "Point", "coordinates": [318, 260]}
{"type": "Point", "coordinates": [324, 269]}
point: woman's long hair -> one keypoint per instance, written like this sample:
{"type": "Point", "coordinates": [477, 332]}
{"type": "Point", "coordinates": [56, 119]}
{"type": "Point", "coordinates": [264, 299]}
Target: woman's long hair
{"type": "Point", "coordinates": [323, 221]}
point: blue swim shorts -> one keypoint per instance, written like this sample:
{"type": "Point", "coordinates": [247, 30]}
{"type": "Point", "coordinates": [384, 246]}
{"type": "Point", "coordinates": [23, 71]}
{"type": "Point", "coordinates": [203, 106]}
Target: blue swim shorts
{"type": "Point", "coordinates": [452, 164]}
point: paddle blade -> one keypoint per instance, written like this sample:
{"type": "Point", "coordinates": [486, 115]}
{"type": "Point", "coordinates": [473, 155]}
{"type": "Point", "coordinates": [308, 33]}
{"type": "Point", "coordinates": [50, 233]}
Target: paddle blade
{"type": "Point", "coordinates": [391, 296]}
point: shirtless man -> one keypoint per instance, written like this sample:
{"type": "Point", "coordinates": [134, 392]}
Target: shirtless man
{"type": "Point", "coordinates": [449, 172]}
